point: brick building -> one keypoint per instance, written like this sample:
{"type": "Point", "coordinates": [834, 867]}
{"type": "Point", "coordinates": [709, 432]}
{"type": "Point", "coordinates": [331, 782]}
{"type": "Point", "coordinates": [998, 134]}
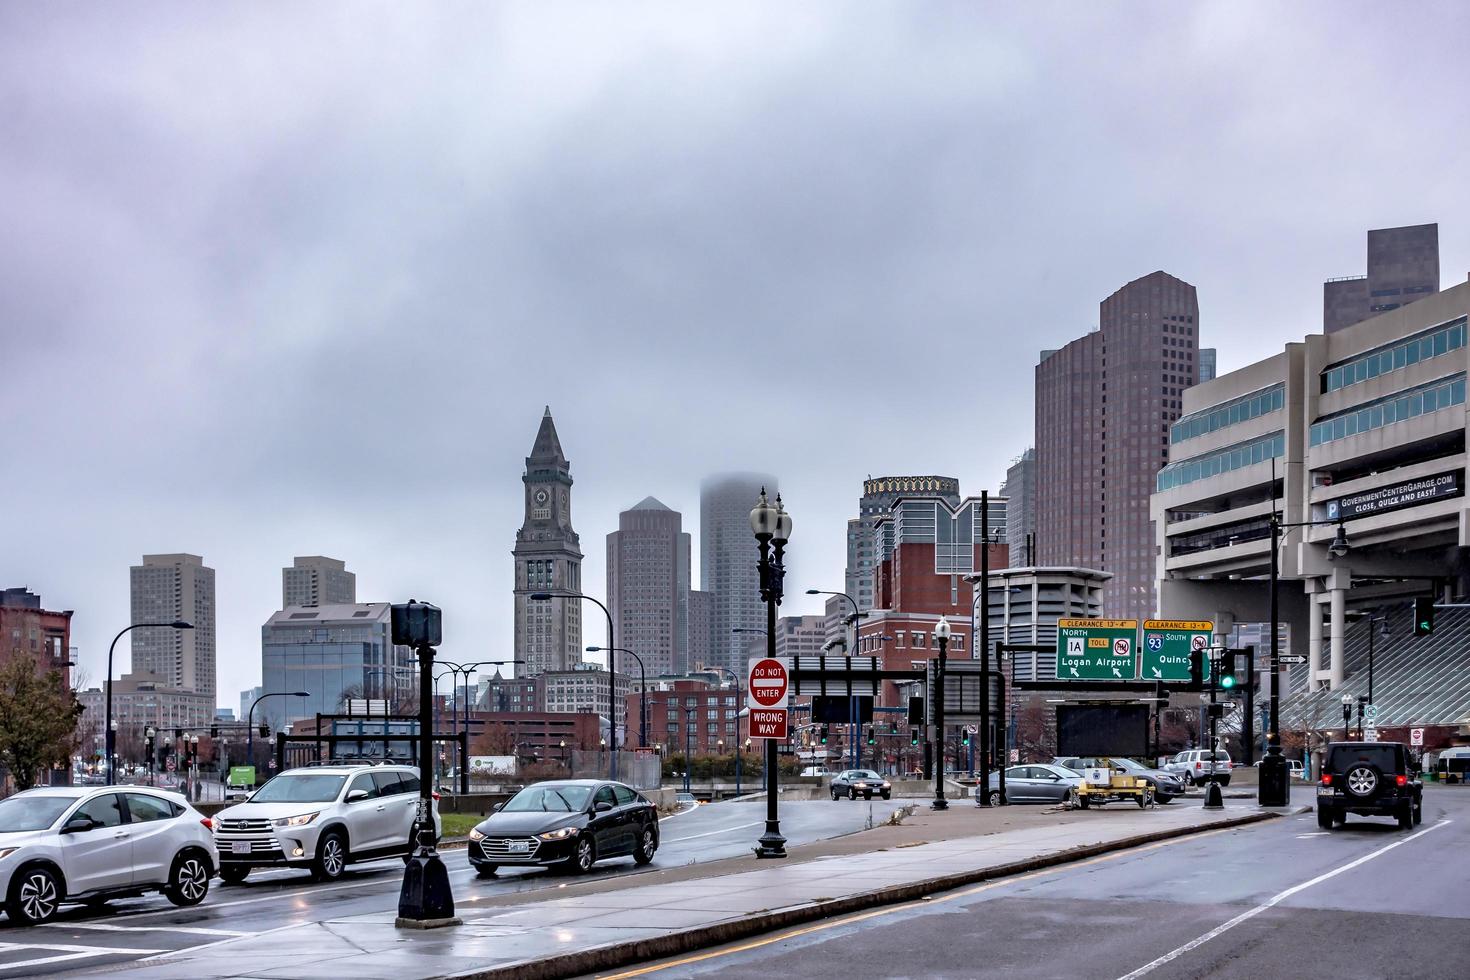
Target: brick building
{"type": "Point", "coordinates": [27, 628]}
{"type": "Point", "coordinates": [692, 710]}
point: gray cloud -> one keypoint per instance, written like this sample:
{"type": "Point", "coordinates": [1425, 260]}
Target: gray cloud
{"type": "Point", "coordinates": [286, 280]}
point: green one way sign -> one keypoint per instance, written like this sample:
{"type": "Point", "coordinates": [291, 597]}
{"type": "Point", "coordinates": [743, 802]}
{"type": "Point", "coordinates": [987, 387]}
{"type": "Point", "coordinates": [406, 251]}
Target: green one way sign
{"type": "Point", "coordinates": [1167, 644]}
{"type": "Point", "coordinates": [1097, 649]}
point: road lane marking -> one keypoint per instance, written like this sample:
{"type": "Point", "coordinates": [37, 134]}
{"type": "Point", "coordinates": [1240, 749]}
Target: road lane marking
{"type": "Point", "coordinates": [925, 902]}
{"type": "Point", "coordinates": [106, 927]}
{"type": "Point", "coordinates": [1272, 902]}
{"type": "Point", "coordinates": [712, 833]}
{"type": "Point", "coordinates": [65, 953]}
{"type": "Point", "coordinates": [26, 964]}
{"type": "Point", "coordinates": [1320, 833]}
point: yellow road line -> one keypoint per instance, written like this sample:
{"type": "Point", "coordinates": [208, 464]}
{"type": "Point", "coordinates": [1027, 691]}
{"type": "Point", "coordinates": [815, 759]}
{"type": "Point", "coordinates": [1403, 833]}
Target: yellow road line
{"type": "Point", "coordinates": [891, 909]}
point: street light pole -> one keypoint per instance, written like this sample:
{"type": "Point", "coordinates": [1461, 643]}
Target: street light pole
{"type": "Point", "coordinates": [941, 634]}
{"type": "Point", "coordinates": [771, 526]}
{"type": "Point", "coordinates": [250, 719]}
{"type": "Point", "coordinates": [612, 686]}
{"type": "Point", "coordinates": [642, 692]}
{"type": "Point", "coordinates": [177, 624]}
{"type": "Point", "coordinates": [736, 679]}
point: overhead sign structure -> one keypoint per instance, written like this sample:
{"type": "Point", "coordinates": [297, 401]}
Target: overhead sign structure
{"type": "Point", "coordinates": [1097, 650]}
{"type": "Point", "coordinates": [1393, 497]}
{"type": "Point", "coordinates": [769, 682]}
{"type": "Point", "coordinates": [1167, 645]}
{"type": "Point", "coordinates": [1416, 736]}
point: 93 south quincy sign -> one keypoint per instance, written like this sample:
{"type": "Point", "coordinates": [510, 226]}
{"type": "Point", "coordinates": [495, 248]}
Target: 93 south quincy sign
{"type": "Point", "coordinates": [1167, 644]}
{"type": "Point", "coordinates": [1097, 649]}
{"type": "Point", "coordinates": [1406, 494]}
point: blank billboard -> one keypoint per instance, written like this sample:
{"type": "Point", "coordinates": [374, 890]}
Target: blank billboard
{"type": "Point", "coordinates": [1102, 729]}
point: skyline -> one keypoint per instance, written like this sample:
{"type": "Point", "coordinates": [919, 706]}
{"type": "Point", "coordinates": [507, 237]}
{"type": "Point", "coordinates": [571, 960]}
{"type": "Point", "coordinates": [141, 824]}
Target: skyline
{"type": "Point", "coordinates": [216, 292]}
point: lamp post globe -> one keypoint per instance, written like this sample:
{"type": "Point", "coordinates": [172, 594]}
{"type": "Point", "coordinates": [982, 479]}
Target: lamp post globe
{"type": "Point", "coordinates": [763, 518]}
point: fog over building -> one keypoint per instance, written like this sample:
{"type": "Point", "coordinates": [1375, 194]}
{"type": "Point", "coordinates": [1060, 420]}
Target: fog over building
{"type": "Point", "coordinates": [727, 562]}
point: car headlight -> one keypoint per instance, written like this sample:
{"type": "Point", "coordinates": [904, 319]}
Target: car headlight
{"type": "Point", "coordinates": [300, 820]}
{"type": "Point", "coordinates": [476, 834]}
{"type": "Point", "coordinates": [887, 784]}
{"type": "Point", "coordinates": [561, 834]}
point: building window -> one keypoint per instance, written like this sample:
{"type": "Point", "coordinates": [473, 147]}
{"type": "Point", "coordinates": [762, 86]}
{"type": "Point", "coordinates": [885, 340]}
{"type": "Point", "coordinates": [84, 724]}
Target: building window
{"type": "Point", "coordinates": [1421, 347]}
{"type": "Point", "coordinates": [1212, 464]}
{"type": "Point", "coordinates": [1410, 404]}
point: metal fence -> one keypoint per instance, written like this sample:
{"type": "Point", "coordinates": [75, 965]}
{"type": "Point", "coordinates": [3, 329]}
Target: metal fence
{"type": "Point", "coordinates": [640, 770]}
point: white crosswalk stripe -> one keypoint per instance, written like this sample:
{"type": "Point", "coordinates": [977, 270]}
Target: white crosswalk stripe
{"type": "Point", "coordinates": [64, 951]}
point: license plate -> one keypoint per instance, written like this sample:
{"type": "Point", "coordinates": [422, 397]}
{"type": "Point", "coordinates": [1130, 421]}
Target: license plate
{"type": "Point", "coordinates": [519, 847]}
{"type": "Point", "coordinates": [1324, 791]}
{"type": "Point", "coordinates": [240, 847]}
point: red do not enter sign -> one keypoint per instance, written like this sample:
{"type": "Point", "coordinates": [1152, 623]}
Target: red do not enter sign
{"type": "Point", "coordinates": [768, 682]}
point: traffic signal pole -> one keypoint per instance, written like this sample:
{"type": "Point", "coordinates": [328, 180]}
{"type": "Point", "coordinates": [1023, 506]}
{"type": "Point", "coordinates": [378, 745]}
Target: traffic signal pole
{"type": "Point", "coordinates": [1214, 800]}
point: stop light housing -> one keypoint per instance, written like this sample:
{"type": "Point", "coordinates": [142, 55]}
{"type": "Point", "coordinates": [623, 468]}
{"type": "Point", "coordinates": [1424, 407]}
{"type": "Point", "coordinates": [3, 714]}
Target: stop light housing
{"type": "Point", "coordinates": [871, 739]}
{"type": "Point", "coordinates": [265, 731]}
{"type": "Point", "coordinates": [914, 737]}
{"type": "Point", "coordinates": [1225, 670]}
{"type": "Point", "coordinates": [823, 734]}
{"type": "Point", "coordinates": [1196, 669]}
{"type": "Point", "coordinates": [1423, 615]}
{"type": "Point", "coordinates": [214, 731]}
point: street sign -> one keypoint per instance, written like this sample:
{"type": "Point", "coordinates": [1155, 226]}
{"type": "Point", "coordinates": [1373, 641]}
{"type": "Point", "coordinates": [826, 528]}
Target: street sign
{"type": "Point", "coordinates": [768, 723]}
{"type": "Point", "coordinates": [972, 729]}
{"type": "Point", "coordinates": [1167, 644]}
{"type": "Point", "coordinates": [1370, 734]}
{"type": "Point", "coordinates": [1097, 649]}
{"type": "Point", "coordinates": [1416, 736]}
{"type": "Point", "coordinates": [768, 682]}
{"type": "Point", "coordinates": [1370, 711]}
{"type": "Point", "coordinates": [171, 765]}
{"type": "Point", "coordinates": [1292, 658]}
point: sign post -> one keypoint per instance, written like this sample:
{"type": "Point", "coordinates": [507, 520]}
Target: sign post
{"type": "Point", "coordinates": [1416, 737]}
{"type": "Point", "coordinates": [769, 682]}
{"type": "Point", "coordinates": [1167, 645]}
{"type": "Point", "coordinates": [1097, 649]}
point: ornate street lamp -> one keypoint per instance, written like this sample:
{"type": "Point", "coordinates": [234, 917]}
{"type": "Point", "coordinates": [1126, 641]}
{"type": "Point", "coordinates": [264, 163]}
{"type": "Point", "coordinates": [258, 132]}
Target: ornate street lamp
{"type": "Point", "coordinates": [771, 526]}
{"type": "Point", "coordinates": [941, 635]}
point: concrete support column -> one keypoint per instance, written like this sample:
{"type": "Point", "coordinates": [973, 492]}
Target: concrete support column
{"type": "Point", "coordinates": [1314, 642]}
{"type": "Point", "coordinates": [1337, 669]}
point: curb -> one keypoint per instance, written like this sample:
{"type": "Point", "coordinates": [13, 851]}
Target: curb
{"type": "Point", "coordinates": [701, 937]}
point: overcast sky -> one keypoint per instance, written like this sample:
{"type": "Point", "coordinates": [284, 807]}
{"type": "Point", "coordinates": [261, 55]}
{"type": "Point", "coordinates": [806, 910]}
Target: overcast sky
{"type": "Point", "coordinates": [288, 279]}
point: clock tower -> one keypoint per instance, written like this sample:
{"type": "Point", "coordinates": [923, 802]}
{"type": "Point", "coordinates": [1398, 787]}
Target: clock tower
{"type": "Point", "coordinates": [548, 559]}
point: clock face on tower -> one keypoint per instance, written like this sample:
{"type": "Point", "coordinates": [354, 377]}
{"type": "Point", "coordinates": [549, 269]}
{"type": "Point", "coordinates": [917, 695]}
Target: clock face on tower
{"type": "Point", "coordinates": [541, 496]}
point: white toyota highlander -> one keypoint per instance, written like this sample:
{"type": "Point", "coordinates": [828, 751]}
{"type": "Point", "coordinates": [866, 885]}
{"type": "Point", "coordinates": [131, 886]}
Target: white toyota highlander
{"type": "Point", "coordinates": [322, 818]}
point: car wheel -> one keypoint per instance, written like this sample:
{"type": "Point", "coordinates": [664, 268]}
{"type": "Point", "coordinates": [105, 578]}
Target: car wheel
{"type": "Point", "coordinates": [852, 793]}
{"type": "Point", "coordinates": [233, 874]}
{"type": "Point", "coordinates": [1406, 818]}
{"type": "Point", "coordinates": [485, 870]}
{"type": "Point", "coordinates": [331, 856]}
{"type": "Point", "coordinates": [1224, 780]}
{"type": "Point", "coordinates": [1161, 800]}
{"type": "Point", "coordinates": [1069, 799]}
{"type": "Point", "coordinates": [188, 880]}
{"type": "Point", "coordinates": [834, 795]}
{"type": "Point", "coordinates": [647, 844]}
{"type": "Point", "coordinates": [995, 797]}
{"type": "Point", "coordinates": [35, 895]}
{"type": "Point", "coordinates": [1418, 813]}
{"type": "Point", "coordinates": [1084, 802]}
{"type": "Point", "coordinates": [1324, 817]}
{"type": "Point", "coordinates": [1188, 780]}
{"type": "Point", "coordinates": [887, 795]}
{"type": "Point", "coordinates": [583, 857]}
{"type": "Point", "coordinates": [1361, 780]}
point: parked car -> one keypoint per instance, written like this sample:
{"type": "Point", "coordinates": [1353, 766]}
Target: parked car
{"type": "Point", "coordinates": [1368, 778]}
{"type": "Point", "coordinates": [1197, 766]}
{"type": "Point", "coordinates": [566, 824]}
{"type": "Point", "coordinates": [77, 844]}
{"type": "Point", "coordinates": [815, 771]}
{"type": "Point", "coordinates": [685, 799]}
{"type": "Point", "coordinates": [866, 783]}
{"type": "Point", "coordinates": [322, 818]}
{"type": "Point", "coordinates": [1039, 783]}
{"type": "Point", "coordinates": [1166, 785]}
{"type": "Point", "coordinates": [1294, 768]}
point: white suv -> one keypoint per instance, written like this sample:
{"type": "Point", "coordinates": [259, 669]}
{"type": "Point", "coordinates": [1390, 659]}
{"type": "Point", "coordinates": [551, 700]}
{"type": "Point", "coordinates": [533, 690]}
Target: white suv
{"type": "Point", "coordinates": [92, 843]}
{"type": "Point", "coordinates": [322, 818]}
{"type": "Point", "coordinates": [1196, 766]}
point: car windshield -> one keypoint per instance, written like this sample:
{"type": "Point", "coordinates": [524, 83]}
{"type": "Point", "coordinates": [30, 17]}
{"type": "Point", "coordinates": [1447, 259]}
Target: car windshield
{"type": "Point", "coordinates": [549, 799]}
{"type": "Point", "coordinates": [318, 787]}
{"type": "Point", "coordinates": [31, 812]}
{"type": "Point", "coordinates": [863, 774]}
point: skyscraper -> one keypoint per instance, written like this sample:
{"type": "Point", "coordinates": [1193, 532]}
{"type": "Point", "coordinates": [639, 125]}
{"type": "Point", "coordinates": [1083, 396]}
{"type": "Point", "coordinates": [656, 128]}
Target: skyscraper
{"type": "Point", "coordinates": [1403, 266]}
{"type": "Point", "coordinates": [166, 588]}
{"type": "Point", "coordinates": [548, 559]}
{"type": "Point", "coordinates": [1019, 489]}
{"type": "Point", "coordinates": [317, 581]}
{"type": "Point", "coordinates": [648, 588]}
{"type": "Point", "coordinates": [878, 495]}
{"type": "Point", "coordinates": [727, 562]}
{"type": "Point", "coordinates": [1103, 407]}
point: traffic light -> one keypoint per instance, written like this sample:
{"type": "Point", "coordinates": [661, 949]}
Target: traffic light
{"type": "Point", "coordinates": [823, 734]}
{"type": "Point", "coordinates": [1196, 669]}
{"type": "Point", "coordinates": [1423, 615]}
{"type": "Point", "coordinates": [893, 728]}
{"type": "Point", "coordinates": [871, 739]}
{"type": "Point", "coordinates": [214, 731]}
{"type": "Point", "coordinates": [965, 740]}
{"type": "Point", "coordinates": [265, 731]}
{"type": "Point", "coordinates": [914, 737]}
{"type": "Point", "coordinates": [178, 734]}
{"type": "Point", "coordinates": [1225, 670]}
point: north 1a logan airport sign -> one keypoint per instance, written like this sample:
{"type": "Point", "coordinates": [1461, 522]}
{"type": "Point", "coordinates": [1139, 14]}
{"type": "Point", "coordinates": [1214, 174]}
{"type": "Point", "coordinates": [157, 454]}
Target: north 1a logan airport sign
{"type": "Point", "coordinates": [1097, 649]}
{"type": "Point", "coordinates": [1167, 644]}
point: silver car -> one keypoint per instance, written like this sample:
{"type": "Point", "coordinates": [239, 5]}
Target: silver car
{"type": "Point", "coordinates": [1039, 783]}
{"type": "Point", "coordinates": [1166, 785]}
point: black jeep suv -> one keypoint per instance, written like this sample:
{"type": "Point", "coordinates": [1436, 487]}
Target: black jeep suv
{"type": "Point", "coordinates": [1368, 778]}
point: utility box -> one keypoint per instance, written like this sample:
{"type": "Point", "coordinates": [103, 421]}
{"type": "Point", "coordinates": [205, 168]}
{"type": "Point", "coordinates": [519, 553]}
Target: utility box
{"type": "Point", "coordinates": [1275, 778]}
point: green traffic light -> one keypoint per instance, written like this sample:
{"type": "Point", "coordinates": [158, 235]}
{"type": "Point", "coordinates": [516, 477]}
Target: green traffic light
{"type": "Point", "coordinates": [1227, 681]}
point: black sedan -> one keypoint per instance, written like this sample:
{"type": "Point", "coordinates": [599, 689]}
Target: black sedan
{"type": "Point", "coordinates": [866, 783]}
{"type": "Point", "coordinates": [566, 825]}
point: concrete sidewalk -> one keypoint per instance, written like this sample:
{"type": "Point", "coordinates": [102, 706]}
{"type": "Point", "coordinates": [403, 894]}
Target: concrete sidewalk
{"type": "Point", "coordinates": [637, 918]}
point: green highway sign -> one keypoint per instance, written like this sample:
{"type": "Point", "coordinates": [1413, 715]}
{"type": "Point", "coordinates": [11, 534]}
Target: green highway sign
{"type": "Point", "coordinates": [1167, 644]}
{"type": "Point", "coordinates": [1097, 649]}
